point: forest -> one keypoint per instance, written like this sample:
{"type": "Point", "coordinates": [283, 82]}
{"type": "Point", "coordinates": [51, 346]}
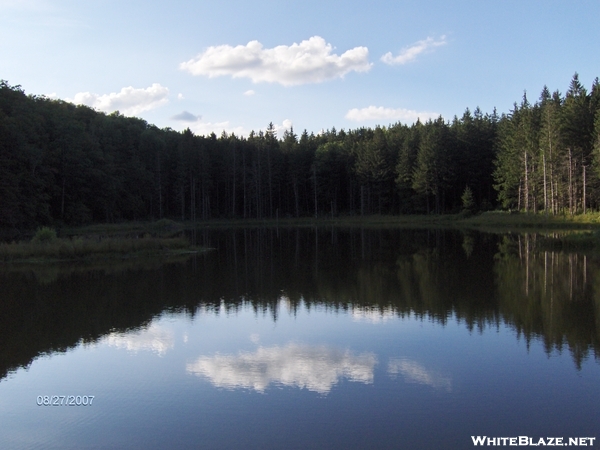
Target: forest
{"type": "Point", "coordinates": [66, 164]}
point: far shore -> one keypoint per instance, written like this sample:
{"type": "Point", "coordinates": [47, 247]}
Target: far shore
{"type": "Point", "coordinates": [166, 237]}
{"type": "Point", "coordinates": [493, 221]}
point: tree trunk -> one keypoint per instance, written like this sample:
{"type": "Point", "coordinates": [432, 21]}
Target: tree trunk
{"type": "Point", "coordinates": [526, 193]}
{"type": "Point", "coordinates": [296, 198]}
{"type": "Point", "coordinates": [570, 184]}
{"type": "Point", "coordinates": [545, 188]}
{"type": "Point", "coordinates": [362, 200]}
{"type": "Point", "coordinates": [584, 206]}
{"type": "Point", "coordinates": [270, 186]}
{"type": "Point", "coordinates": [315, 189]}
{"type": "Point", "coordinates": [182, 203]}
{"type": "Point", "coordinates": [62, 201]}
{"type": "Point", "coordinates": [233, 194]}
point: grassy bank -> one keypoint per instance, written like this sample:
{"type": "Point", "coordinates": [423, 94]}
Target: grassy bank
{"type": "Point", "coordinates": [494, 221]}
{"type": "Point", "coordinates": [138, 238]}
{"type": "Point", "coordinates": [342, 221]}
{"type": "Point", "coordinates": [161, 228]}
{"type": "Point", "coordinates": [497, 221]}
{"type": "Point", "coordinates": [80, 248]}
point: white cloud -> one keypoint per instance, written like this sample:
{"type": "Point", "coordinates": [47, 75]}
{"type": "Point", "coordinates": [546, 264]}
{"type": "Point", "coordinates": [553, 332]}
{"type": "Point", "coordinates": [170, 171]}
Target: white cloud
{"type": "Point", "coordinates": [130, 101]}
{"type": "Point", "coordinates": [201, 128]}
{"type": "Point", "coordinates": [206, 128]}
{"type": "Point", "coordinates": [413, 372]}
{"type": "Point", "coordinates": [372, 113]}
{"type": "Point", "coordinates": [155, 338]}
{"type": "Point", "coordinates": [409, 54]}
{"type": "Point", "coordinates": [310, 61]}
{"type": "Point", "coordinates": [180, 96]}
{"type": "Point", "coordinates": [249, 92]}
{"type": "Point", "coordinates": [280, 129]}
{"type": "Point", "coordinates": [316, 368]}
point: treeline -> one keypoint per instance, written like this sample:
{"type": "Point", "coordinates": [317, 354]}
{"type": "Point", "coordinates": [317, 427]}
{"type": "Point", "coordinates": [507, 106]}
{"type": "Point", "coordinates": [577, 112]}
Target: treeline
{"type": "Point", "coordinates": [549, 153]}
{"type": "Point", "coordinates": [67, 164]}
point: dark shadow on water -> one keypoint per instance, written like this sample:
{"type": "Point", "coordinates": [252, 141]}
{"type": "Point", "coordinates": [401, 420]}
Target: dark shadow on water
{"type": "Point", "coordinates": [481, 280]}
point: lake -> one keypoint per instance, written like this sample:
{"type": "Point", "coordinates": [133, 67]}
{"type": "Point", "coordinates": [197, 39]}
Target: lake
{"type": "Point", "coordinates": [298, 338]}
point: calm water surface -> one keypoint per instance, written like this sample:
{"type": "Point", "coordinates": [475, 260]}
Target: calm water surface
{"type": "Point", "coordinates": [298, 338]}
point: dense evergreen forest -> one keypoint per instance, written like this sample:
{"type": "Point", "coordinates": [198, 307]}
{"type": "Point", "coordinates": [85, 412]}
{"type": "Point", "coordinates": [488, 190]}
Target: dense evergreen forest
{"type": "Point", "coordinates": [67, 164]}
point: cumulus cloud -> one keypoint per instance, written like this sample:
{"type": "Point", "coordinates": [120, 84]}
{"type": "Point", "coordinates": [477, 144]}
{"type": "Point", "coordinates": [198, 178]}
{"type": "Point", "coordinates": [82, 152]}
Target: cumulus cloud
{"type": "Point", "coordinates": [316, 368]}
{"type": "Point", "coordinates": [413, 372]}
{"type": "Point", "coordinates": [285, 125]}
{"type": "Point", "coordinates": [130, 101]}
{"type": "Point", "coordinates": [380, 113]}
{"type": "Point", "coordinates": [410, 53]}
{"type": "Point", "coordinates": [206, 128]}
{"type": "Point", "coordinates": [155, 338]}
{"type": "Point", "coordinates": [180, 96]}
{"type": "Point", "coordinates": [310, 61]}
{"type": "Point", "coordinates": [249, 92]}
{"type": "Point", "coordinates": [186, 116]}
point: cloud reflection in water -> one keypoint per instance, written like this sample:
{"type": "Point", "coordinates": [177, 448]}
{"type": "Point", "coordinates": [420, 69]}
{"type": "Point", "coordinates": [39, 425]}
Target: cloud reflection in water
{"type": "Point", "coordinates": [316, 368]}
{"type": "Point", "coordinates": [155, 338]}
{"type": "Point", "coordinates": [413, 372]}
{"type": "Point", "coordinates": [373, 315]}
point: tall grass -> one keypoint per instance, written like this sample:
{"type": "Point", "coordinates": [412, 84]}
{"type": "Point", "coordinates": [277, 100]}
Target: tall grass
{"type": "Point", "coordinates": [85, 248]}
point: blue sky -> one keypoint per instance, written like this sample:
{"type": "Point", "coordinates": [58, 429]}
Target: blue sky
{"type": "Point", "coordinates": [238, 65]}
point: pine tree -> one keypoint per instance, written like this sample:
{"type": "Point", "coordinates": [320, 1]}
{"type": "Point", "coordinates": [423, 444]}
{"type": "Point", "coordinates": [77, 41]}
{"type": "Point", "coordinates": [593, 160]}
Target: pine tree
{"type": "Point", "coordinates": [577, 126]}
{"type": "Point", "coordinates": [550, 148]}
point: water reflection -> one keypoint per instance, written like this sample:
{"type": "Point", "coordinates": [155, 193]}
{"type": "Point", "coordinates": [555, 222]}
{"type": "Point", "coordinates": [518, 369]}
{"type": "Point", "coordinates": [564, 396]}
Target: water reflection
{"type": "Point", "coordinates": [482, 280]}
{"type": "Point", "coordinates": [554, 296]}
{"type": "Point", "coordinates": [316, 368]}
{"type": "Point", "coordinates": [413, 372]}
{"type": "Point", "coordinates": [367, 333]}
{"type": "Point", "coordinates": [155, 338]}
{"type": "Point", "coordinates": [373, 315]}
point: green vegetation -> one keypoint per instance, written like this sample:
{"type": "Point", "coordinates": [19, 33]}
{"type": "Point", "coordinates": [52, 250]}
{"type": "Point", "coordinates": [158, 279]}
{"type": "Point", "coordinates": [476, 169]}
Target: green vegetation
{"type": "Point", "coordinates": [161, 228]}
{"type": "Point", "coordinates": [501, 221]}
{"type": "Point", "coordinates": [548, 155]}
{"type": "Point", "coordinates": [87, 248]}
{"type": "Point", "coordinates": [512, 221]}
{"type": "Point", "coordinates": [63, 165]}
{"type": "Point", "coordinates": [44, 235]}
{"type": "Point", "coordinates": [468, 202]}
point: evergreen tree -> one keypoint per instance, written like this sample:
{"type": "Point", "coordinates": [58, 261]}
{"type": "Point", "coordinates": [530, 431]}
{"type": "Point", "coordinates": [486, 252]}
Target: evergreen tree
{"type": "Point", "coordinates": [436, 167]}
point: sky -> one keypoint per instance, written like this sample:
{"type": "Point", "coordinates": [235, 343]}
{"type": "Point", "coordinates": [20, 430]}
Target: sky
{"type": "Point", "coordinates": [239, 65]}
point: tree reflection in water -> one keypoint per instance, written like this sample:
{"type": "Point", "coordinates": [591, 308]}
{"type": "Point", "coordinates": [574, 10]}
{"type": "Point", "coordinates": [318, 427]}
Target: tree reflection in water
{"type": "Point", "coordinates": [482, 280]}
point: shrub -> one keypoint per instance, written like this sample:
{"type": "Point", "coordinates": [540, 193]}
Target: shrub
{"type": "Point", "coordinates": [165, 225]}
{"type": "Point", "coordinates": [468, 202]}
{"type": "Point", "coordinates": [44, 235]}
